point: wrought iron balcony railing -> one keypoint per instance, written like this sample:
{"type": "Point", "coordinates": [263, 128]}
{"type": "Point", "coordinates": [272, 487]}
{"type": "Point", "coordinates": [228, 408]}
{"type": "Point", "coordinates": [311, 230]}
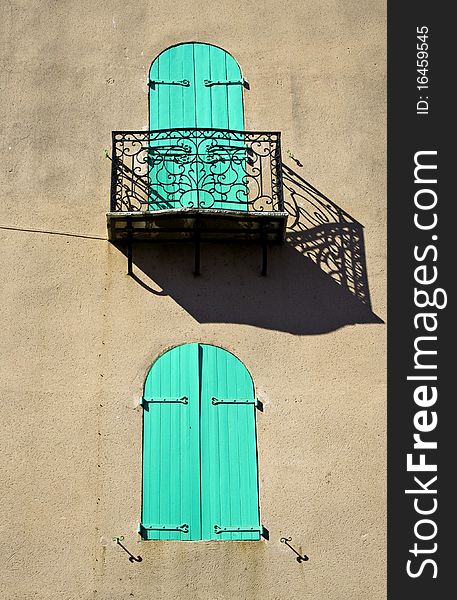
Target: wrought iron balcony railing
{"type": "Point", "coordinates": [202, 169]}
{"type": "Point", "coordinates": [213, 184]}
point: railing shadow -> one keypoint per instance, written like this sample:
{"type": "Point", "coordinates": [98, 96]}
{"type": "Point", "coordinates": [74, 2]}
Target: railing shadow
{"type": "Point", "coordinates": [317, 281]}
{"type": "Point", "coordinates": [328, 235]}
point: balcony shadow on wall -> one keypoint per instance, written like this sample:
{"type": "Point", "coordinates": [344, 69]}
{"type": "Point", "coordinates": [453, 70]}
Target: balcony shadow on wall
{"type": "Point", "coordinates": [316, 281]}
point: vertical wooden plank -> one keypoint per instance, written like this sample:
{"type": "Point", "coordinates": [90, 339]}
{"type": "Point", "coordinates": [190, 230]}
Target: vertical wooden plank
{"type": "Point", "coordinates": [219, 120]}
{"type": "Point", "coordinates": [203, 112]}
{"type": "Point", "coordinates": [154, 75]}
{"type": "Point", "coordinates": [234, 95]}
{"type": "Point", "coordinates": [219, 102]}
{"type": "Point", "coordinates": [189, 118]}
{"type": "Point", "coordinates": [176, 54]}
{"type": "Point", "coordinates": [235, 121]}
{"type": "Point", "coordinates": [165, 91]}
{"type": "Point", "coordinates": [227, 113]}
{"type": "Point", "coordinates": [247, 441]}
{"type": "Point", "coordinates": [166, 96]}
{"type": "Point", "coordinates": [171, 471]}
{"type": "Point", "coordinates": [193, 489]}
{"type": "Point", "coordinates": [158, 119]}
{"type": "Point", "coordinates": [228, 448]}
{"type": "Point", "coordinates": [154, 188]}
{"type": "Point", "coordinates": [189, 199]}
{"type": "Point", "coordinates": [203, 174]}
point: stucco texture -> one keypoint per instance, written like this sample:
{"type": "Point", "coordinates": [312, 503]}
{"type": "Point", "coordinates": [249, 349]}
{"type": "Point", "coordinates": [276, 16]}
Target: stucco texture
{"type": "Point", "coordinates": [78, 334]}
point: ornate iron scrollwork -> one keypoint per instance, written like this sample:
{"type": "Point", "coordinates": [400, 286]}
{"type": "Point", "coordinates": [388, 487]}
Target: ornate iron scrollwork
{"type": "Point", "coordinates": [196, 168]}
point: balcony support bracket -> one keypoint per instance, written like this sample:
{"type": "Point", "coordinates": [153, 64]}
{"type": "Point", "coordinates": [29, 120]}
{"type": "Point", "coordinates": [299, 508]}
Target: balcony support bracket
{"type": "Point", "coordinates": [197, 248]}
{"type": "Point", "coordinates": [129, 248]}
{"type": "Point", "coordinates": [264, 242]}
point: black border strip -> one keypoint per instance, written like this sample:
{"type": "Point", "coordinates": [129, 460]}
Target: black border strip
{"type": "Point", "coordinates": [409, 133]}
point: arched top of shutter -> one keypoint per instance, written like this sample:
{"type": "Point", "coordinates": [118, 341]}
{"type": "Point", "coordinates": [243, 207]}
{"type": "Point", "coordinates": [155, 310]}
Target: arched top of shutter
{"type": "Point", "coordinates": [169, 373]}
{"type": "Point", "coordinates": [187, 353]}
{"type": "Point", "coordinates": [205, 44]}
{"type": "Point", "coordinates": [195, 85]}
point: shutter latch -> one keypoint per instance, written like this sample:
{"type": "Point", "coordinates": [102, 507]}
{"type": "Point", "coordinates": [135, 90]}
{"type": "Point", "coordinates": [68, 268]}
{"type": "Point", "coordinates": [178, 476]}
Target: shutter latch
{"type": "Point", "coordinates": [183, 400]}
{"type": "Point", "coordinates": [154, 82]}
{"type": "Point", "coordinates": [300, 557]}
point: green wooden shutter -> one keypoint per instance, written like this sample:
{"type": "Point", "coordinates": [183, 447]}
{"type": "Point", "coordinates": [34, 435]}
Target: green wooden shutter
{"type": "Point", "coordinates": [230, 497]}
{"type": "Point", "coordinates": [171, 447]}
{"type": "Point", "coordinates": [181, 176]}
{"type": "Point", "coordinates": [216, 104]}
{"type": "Point", "coordinates": [199, 448]}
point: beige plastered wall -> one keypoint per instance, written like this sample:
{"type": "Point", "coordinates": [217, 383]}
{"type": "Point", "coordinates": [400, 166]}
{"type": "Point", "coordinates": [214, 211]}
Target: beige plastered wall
{"type": "Point", "coordinates": [78, 334]}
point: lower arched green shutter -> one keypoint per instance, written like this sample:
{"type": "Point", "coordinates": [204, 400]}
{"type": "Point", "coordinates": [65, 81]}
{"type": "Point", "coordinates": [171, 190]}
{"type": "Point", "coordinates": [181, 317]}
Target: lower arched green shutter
{"type": "Point", "coordinates": [199, 448]}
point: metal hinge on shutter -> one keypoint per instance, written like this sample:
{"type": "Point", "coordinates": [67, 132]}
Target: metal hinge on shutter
{"type": "Point", "coordinates": [154, 82]}
{"type": "Point", "coordinates": [183, 400]}
{"type": "Point", "coordinates": [209, 83]}
{"type": "Point", "coordinates": [253, 401]}
{"type": "Point", "coordinates": [184, 528]}
{"type": "Point", "coordinates": [218, 529]}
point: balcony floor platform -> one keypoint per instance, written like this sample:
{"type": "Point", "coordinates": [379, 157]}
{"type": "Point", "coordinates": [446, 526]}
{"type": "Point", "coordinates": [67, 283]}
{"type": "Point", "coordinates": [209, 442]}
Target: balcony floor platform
{"type": "Point", "coordinates": [191, 223]}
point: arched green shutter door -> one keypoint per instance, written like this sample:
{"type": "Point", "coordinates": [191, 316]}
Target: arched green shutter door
{"type": "Point", "coordinates": [196, 85]}
{"type": "Point", "coordinates": [199, 448]}
{"type": "Point", "coordinates": [171, 447]}
{"type": "Point", "coordinates": [230, 500]}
